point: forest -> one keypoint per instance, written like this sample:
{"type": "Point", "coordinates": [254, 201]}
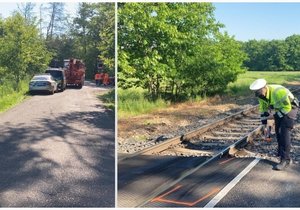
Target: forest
{"type": "Point", "coordinates": [178, 51]}
{"type": "Point", "coordinates": [273, 55]}
{"type": "Point", "coordinates": [31, 41]}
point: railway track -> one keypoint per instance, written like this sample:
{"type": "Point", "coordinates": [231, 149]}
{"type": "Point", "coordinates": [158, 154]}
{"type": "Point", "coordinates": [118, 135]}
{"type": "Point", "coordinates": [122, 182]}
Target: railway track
{"type": "Point", "coordinates": [210, 140]}
{"type": "Point", "coordinates": [159, 167]}
{"type": "Point", "coordinates": [229, 134]}
{"type": "Point", "coordinates": [181, 157]}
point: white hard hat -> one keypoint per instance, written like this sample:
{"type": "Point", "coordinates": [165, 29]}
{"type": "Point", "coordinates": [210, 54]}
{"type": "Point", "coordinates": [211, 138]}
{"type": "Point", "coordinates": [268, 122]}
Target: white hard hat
{"type": "Point", "coordinates": [258, 84]}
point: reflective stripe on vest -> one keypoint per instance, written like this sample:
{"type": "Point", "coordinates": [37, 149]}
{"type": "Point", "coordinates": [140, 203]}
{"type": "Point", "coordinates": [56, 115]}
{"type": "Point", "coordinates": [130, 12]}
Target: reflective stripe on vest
{"type": "Point", "coordinates": [287, 96]}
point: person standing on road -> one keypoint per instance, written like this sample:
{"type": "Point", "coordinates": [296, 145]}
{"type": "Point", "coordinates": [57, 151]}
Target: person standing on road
{"type": "Point", "coordinates": [106, 79]}
{"type": "Point", "coordinates": [97, 78]}
{"type": "Point", "coordinates": [285, 106]}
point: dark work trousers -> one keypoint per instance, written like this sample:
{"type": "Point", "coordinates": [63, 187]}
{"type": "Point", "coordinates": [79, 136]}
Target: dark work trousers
{"type": "Point", "coordinates": [283, 128]}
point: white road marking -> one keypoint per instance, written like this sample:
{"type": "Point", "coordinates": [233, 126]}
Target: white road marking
{"type": "Point", "coordinates": [230, 185]}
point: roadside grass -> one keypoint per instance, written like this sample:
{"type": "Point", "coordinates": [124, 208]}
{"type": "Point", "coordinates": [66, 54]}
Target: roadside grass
{"type": "Point", "coordinates": [108, 99]}
{"type": "Point", "coordinates": [9, 97]}
{"type": "Point", "coordinates": [133, 102]}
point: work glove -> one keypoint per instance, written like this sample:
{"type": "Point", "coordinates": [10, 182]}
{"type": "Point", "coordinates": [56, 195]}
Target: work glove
{"type": "Point", "coordinates": [264, 117]}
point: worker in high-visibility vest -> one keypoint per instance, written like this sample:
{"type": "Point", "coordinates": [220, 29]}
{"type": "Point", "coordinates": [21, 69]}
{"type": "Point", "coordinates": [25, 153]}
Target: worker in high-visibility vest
{"type": "Point", "coordinates": [285, 106]}
{"type": "Point", "coordinates": [97, 78]}
{"type": "Point", "coordinates": [106, 79]}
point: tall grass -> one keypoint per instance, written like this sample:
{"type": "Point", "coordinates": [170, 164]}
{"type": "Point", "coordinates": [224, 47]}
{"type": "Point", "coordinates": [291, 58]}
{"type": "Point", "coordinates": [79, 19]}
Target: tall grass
{"type": "Point", "coordinates": [108, 99]}
{"type": "Point", "coordinates": [133, 102]}
{"type": "Point", "coordinates": [9, 96]}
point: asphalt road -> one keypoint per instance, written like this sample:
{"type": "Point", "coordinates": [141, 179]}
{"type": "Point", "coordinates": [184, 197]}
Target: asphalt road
{"type": "Point", "coordinates": [158, 182]}
{"type": "Point", "coordinates": [139, 179]}
{"type": "Point", "coordinates": [264, 187]}
{"type": "Point", "coordinates": [58, 151]}
{"type": "Point", "coordinates": [217, 185]}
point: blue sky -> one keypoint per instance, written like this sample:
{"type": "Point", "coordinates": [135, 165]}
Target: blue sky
{"type": "Point", "coordinates": [259, 20]}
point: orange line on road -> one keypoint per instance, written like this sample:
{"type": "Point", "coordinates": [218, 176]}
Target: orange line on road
{"type": "Point", "coordinates": [167, 193]}
{"type": "Point", "coordinates": [161, 199]}
{"type": "Point", "coordinates": [225, 161]}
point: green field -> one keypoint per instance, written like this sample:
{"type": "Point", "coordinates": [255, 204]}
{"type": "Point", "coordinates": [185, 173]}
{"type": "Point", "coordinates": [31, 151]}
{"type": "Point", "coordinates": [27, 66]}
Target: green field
{"type": "Point", "coordinates": [132, 102]}
{"type": "Point", "coordinates": [241, 86]}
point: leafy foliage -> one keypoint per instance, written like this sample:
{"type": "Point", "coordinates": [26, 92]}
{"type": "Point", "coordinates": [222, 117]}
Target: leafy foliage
{"type": "Point", "coordinates": [107, 35]}
{"type": "Point", "coordinates": [89, 36]}
{"type": "Point", "coordinates": [29, 47]}
{"type": "Point", "coordinates": [274, 55]}
{"type": "Point", "coordinates": [22, 52]}
{"type": "Point", "coordinates": [175, 50]}
{"type": "Point", "coordinates": [93, 32]}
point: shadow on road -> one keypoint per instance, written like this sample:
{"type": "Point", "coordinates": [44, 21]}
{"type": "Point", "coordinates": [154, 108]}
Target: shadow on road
{"type": "Point", "coordinates": [30, 176]}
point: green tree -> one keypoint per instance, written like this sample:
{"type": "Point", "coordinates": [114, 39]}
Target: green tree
{"type": "Point", "coordinates": [171, 47]}
{"type": "Point", "coordinates": [62, 47]}
{"type": "Point", "coordinates": [275, 56]}
{"type": "Point", "coordinates": [255, 51]}
{"type": "Point", "coordinates": [92, 30]}
{"type": "Point", "coordinates": [107, 36]}
{"type": "Point", "coordinates": [293, 52]}
{"type": "Point", "coordinates": [22, 52]}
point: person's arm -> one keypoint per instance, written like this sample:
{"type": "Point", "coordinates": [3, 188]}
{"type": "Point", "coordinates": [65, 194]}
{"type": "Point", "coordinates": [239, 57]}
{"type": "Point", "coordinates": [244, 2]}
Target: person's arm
{"type": "Point", "coordinates": [263, 109]}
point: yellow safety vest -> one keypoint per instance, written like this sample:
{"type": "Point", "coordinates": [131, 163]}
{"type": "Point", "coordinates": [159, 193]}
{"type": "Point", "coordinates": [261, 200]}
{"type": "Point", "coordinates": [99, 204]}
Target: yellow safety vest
{"type": "Point", "coordinates": [277, 96]}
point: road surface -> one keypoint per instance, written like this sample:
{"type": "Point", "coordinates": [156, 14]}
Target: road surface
{"type": "Point", "coordinates": [58, 151]}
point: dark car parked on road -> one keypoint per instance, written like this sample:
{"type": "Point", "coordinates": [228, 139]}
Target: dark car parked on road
{"type": "Point", "coordinates": [60, 77]}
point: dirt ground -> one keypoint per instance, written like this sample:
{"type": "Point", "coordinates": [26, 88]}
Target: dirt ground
{"type": "Point", "coordinates": [178, 117]}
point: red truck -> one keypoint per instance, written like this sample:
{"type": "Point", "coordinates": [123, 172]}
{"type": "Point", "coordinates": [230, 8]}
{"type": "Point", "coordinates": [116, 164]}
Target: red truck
{"type": "Point", "coordinates": [75, 72]}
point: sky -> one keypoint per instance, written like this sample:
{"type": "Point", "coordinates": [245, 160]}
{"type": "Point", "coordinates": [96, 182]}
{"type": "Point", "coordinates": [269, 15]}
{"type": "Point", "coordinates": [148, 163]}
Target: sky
{"type": "Point", "coordinates": [244, 21]}
{"type": "Point", "coordinates": [6, 8]}
{"type": "Point", "coordinates": [259, 20]}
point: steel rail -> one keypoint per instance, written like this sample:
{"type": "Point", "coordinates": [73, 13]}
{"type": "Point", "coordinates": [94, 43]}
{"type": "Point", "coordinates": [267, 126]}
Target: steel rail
{"type": "Point", "coordinates": [185, 137]}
